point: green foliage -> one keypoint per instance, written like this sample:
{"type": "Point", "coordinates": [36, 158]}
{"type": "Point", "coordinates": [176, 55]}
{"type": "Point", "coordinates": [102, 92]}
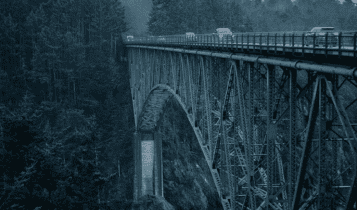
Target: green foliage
{"type": "Point", "coordinates": [61, 127]}
{"type": "Point", "coordinates": [204, 16]}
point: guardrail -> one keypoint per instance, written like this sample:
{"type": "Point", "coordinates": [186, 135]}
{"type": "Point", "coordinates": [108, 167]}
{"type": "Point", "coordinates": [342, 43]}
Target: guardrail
{"type": "Point", "coordinates": [335, 43]}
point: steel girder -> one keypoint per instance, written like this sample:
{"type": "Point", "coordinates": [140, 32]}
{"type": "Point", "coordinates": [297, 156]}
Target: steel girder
{"type": "Point", "coordinates": [269, 132]}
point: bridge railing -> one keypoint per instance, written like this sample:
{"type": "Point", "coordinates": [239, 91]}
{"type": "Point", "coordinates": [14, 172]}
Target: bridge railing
{"type": "Point", "coordinates": [337, 40]}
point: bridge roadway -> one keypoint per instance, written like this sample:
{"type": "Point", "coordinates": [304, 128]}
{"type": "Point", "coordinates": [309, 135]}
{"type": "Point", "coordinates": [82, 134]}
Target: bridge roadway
{"type": "Point", "coordinates": [342, 44]}
{"type": "Point", "coordinates": [277, 130]}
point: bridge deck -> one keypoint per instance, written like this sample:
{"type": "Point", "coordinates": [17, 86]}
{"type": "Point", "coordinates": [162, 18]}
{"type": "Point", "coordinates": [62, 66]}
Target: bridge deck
{"type": "Point", "coordinates": [337, 43]}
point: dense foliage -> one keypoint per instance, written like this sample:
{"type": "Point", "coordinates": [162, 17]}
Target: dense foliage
{"type": "Point", "coordinates": [65, 108]}
{"type": "Point", "coordinates": [204, 16]}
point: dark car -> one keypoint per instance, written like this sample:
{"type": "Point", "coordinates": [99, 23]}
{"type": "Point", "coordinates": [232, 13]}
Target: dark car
{"type": "Point", "coordinates": [320, 36]}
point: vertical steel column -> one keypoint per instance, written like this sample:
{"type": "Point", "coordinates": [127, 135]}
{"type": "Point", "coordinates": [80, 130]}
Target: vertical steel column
{"type": "Point", "coordinates": [142, 80]}
{"type": "Point", "coordinates": [292, 136]}
{"type": "Point", "coordinates": [190, 73]}
{"type": "Point", "coordinates": [250, 131]}
{"type": "Point", "coordinates": [207, 73]}
{"type": "Point", "coordinates": [335, 143]}
{"type": "Point", "coordinates": [207, 104]}
{"type": "Point", "coordinates": [173, 70]}
{"type": "Point", "coordinates": [271, 134]}
{"type": "Point", "coordinates": [158, 170]}
{"type": "Point", "coordinates": [244, 128]}
{"type": "Point", "coordinates": [224, 123]}
{"type": "Point", "coordinates": [164, 67]}
{"type": "Point", "coordinates": [307, 146]}
{"type": "Point", "coordinates": [321, 201]}
{"type": "Point", "coordinates": [137, 166]}
{"type": "Point", "coordinates": [157, 68]}
{"type": "Point", "coordinates": [146, 71]}
{"type": "Point", "coordinates": [160, 66]}
{"type": "Point", "coordinates": [153, 68]}
{"type": "Point", "coordinates": [183, 92]}
{"type": "Point", "coordinates": [132, 84]}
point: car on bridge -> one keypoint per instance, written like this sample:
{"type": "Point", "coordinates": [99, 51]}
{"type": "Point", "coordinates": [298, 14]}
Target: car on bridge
{"type": "Point", "coordinates": [224, 33]}
{"type": "Point", "coordinates": [130, 37]}
{"type": "Point", "coordinates": [161, 39]}
{"type": "Point", "coordinates": [190, 37]}
{"type": "Point", "coordinates": [320, 36]}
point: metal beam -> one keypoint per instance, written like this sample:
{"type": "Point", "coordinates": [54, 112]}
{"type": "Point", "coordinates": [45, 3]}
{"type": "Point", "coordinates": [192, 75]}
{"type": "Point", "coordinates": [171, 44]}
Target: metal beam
{"type": "Point", "coordinates": [298, 64]}
{"type": "Point", "coordinates": [307, 147]}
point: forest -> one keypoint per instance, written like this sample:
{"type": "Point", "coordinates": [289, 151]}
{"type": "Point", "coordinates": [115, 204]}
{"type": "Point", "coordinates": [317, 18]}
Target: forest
{"type": "Point", "coordinates": [204, 16]}
{"type": "Point", "coordinates": [66, 118]}
{"type": "Point", "coordinates": [65, 107]}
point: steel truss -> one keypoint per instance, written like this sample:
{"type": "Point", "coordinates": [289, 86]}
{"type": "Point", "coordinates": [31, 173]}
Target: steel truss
{"type": "Point", "coordinates": [274, 136]}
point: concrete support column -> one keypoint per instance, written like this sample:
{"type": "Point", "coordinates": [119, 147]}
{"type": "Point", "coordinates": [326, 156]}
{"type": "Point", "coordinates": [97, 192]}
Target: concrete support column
{"type": "Point", "coordinates": [137, 166]}
{"type": "Point", "coordinates": [147, 152]}
{"type": "Point", "coordinates": [158, 170]}
{"type": "Point", "coordinates": [148, 177]}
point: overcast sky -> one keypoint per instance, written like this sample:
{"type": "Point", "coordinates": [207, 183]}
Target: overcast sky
{"type": "Point", "coordinates": [138, 13]}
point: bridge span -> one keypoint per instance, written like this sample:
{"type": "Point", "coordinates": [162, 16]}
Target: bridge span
{"type": "Point", "coordinates": [276, 120]}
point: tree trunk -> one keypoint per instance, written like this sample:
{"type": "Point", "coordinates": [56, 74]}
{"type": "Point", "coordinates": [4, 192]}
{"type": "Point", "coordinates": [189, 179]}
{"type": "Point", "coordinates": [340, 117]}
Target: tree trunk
{"type": "Point", "coordinates": [74, 91]}
{"type": "Point", "coordinates": [118, 168]}
{"type": "Point", "coordinates": [50, 81]}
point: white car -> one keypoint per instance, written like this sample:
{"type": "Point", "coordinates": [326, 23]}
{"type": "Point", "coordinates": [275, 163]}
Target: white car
{"type": "Point", "coordinates": [223, 32]}
{"type": "Point", "coordinates": [130, 37]}
{"type": "Point", "coordinates": [190, 36]}
{"type": "Point", "coordinates": [161, 39]}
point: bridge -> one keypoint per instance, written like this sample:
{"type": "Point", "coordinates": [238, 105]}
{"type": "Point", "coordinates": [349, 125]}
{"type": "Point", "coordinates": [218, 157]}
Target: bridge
{"type": "Point", "coordinates": [275, 114]}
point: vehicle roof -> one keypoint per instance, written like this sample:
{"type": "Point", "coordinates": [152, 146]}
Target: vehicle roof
{"type": "Point", "coordinates": [322, 28]}
{"type": "Point", "coordinates": [223, 30]}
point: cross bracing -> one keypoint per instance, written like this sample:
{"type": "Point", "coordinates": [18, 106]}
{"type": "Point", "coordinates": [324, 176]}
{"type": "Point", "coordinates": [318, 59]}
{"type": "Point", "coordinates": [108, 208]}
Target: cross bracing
{"type": "Point", "coordinates": [276, 133]}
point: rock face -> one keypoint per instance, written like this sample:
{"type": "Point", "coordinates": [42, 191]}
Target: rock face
{"type": "Point", "coordinates": [188, 183]}
{"type": "Point", "coordinates": [152, 202]}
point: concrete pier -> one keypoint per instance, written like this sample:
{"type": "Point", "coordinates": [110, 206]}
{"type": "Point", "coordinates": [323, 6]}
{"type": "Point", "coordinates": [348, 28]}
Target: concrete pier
{"type": "Point", "coordinates": [148, 178]}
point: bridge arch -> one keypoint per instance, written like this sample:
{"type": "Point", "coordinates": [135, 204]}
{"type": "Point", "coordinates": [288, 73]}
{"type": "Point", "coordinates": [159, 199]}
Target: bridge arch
{"type": "Point", "coordinates": [149, 114]}
{"type": "Point", "coordinates": [152, 113]}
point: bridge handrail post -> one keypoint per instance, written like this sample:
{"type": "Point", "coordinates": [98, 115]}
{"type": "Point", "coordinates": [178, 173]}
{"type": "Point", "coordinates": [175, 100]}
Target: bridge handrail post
{"type": "Point", "coordinates": [260, 43]}
{"type": "Point", "coordinates": [339, 43]}
{"type": "Point", "coordinates": [355, 44]}
{"type": "Point", "coordinates": [326, 43]}
{"type": "Point", "coordinates": [214, 40]}
{"type": "Point", "coordinates": [284, 43]}
{"type": "Point", "coordinates": [226, 44]}
{"type": "Point", "coordinates": [314, 43]}
{"type": "Point", "coordinates": [254, 42]}
{"type": "Point", "coordinates": [293, 43]}
{"type": "Point", "coordinates": [268, 43]}
{"type": "Point", "coordinates": [242, 43]}
{"type": "Point", "coordinates": [303, 43]}
{"type": "Point", "coordinates": [276, 34]}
